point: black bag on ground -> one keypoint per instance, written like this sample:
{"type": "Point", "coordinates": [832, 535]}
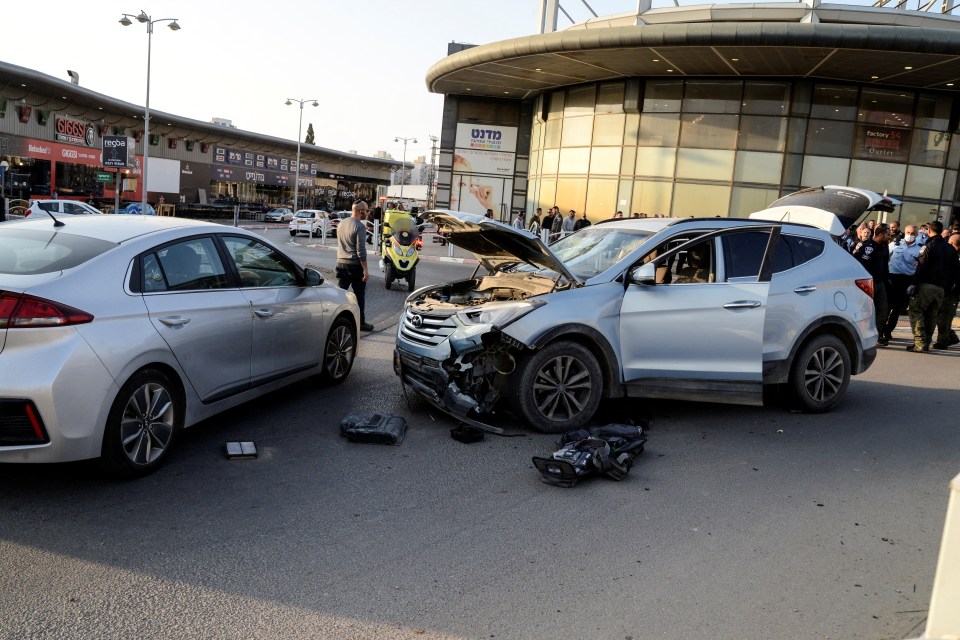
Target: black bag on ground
{"type": "Point", "coordinates": [373, 428]}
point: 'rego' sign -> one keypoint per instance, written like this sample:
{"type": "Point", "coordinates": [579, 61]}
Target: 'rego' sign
{"type": "Point", "coordinates": [75, 132]}
{"type": "Point", "coordinates": [118, 152]}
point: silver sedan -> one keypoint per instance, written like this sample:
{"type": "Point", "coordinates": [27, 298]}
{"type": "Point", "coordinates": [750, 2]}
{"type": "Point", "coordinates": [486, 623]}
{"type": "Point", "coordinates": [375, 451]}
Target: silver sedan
{"type": "Point", "coordinates": [118, 332]}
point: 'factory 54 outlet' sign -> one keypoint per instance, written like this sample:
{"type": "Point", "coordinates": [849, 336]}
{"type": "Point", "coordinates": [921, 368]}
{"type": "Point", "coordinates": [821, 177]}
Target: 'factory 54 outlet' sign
{"type": "Point", "coordinates": [75, 132]}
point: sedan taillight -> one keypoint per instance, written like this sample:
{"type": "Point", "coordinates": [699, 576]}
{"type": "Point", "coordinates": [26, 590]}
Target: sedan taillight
{"type": "Point", "coordinates": [23, 311]}
{"type": "Point", "coordinates": [866, 285]}
{"type": "Point", "coordinates": [27, 212]}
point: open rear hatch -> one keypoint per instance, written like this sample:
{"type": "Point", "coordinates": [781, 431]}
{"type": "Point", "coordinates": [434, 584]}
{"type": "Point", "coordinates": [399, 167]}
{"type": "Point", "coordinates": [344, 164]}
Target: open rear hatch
{"type": "Point", "coordinates": [830, 207]}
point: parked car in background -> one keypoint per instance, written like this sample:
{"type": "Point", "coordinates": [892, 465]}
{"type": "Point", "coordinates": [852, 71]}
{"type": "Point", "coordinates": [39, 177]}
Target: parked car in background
{"type": "Point", "coordinates": [278, 215]}
{"type": "Point", "coordinates": [60, 207]}
{"type": "Point", "coordinates": [705, 309]}
{"type": "Point", "coordinates": [311, 221]}
{"type": "Point", "coordinates": [136, 208]}
{"type": "Point", "coordinates": [117, 332]}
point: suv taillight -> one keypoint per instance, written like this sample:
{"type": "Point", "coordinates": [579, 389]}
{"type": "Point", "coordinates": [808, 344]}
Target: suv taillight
{"type": "Point", "coordinates": [866, 285]}
{"type": "Point", "coordinates": [23, 311]}
{"type": "Point", "coordinates": [27, 212]}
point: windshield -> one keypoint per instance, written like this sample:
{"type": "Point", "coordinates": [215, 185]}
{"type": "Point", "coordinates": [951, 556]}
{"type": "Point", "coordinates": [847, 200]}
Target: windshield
{"type": "Point", "coordinates": [593, 250]}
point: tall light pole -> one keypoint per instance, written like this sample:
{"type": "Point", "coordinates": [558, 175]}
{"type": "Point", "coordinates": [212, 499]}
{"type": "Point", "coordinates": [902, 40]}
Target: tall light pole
{"type": "Point", "coordinates": [296, 185]}
{"type": "Point", "coordinates": [143, 18]}
{"type": "Point", "coordinates": [404, 167]}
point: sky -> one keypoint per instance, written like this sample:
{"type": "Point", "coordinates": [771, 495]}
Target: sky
{"type": "Point", "coordinates": [364, 61]}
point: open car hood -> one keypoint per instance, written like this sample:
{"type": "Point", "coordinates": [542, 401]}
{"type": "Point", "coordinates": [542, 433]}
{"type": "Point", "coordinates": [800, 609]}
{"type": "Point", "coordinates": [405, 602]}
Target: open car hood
{"type": "Point", "coordinates": [494, 243]}
{"type": "Point", "coordinates": [830, 208]}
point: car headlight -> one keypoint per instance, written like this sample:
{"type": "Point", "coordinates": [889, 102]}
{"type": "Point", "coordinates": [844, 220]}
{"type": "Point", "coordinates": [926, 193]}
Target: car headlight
{"type": "Point", "coordinates": [499, 314]}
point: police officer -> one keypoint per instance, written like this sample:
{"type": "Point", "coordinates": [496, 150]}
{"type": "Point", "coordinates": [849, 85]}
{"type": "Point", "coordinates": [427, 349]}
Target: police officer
{"type": "Point", "coordinates": [936, 269]}
{"type": "Point", "coordinates": [875, 258]}
{"type": "Point", "coordinates": [903, 264]}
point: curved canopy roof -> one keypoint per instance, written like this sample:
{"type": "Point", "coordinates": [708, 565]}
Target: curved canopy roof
{"type": "Point", "coordinates": [832, 42]}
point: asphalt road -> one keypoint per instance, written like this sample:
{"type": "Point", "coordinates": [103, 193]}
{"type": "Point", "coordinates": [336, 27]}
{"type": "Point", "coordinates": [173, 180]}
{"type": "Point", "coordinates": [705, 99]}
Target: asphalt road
{"type": "Point", "coordinates": [737, 522]}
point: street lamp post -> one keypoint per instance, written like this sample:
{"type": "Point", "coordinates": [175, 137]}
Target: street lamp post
{"type": "Point", "coordinates": [296, 185]}
{"type": "Point", "coordinates": [403, 169]}
{"type": "Point", "coordinates": [143, 18]}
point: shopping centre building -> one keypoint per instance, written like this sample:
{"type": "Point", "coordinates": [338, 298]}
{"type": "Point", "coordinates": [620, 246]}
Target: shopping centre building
{"type": "Point", "coordinates": [52, 133]}
{"type": "Point", "coordinates": [709, 110]}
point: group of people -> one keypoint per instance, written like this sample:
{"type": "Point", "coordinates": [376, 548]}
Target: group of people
{"type": "Point", "coordinates": [916, 270]}
{"type": "Point", "coordinates": [559, 224]}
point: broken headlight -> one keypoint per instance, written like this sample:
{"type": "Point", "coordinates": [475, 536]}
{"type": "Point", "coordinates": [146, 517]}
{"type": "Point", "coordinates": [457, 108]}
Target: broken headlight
{"type": "Point", "coordinates": [498, 314]}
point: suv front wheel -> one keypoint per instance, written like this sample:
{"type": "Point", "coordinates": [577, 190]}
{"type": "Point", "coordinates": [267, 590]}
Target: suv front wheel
{"type": "Point", "coordinates": [820, 374]}
{"type": "Point", "coordinates": [558, 388]}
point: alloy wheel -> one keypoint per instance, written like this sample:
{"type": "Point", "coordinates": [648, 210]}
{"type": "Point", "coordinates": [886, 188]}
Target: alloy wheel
{"type": "Point", "coordinates": [147, 425]}
{"type": "Point", "coordinates": [562, 388]}
{"type": "Point", "coordinates": [340, 350]}
{"type": "Point", "coordinates": [824, 374]}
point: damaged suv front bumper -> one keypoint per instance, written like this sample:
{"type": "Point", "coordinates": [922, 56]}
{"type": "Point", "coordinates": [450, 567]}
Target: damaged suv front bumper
{"type": "Point", "coordinates": [459, 369]}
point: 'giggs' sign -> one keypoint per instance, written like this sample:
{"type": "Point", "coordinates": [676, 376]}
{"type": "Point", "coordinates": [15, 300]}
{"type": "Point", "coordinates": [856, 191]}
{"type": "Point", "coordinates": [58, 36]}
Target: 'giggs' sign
{"type": "Point", "coordinates": [75, 132]}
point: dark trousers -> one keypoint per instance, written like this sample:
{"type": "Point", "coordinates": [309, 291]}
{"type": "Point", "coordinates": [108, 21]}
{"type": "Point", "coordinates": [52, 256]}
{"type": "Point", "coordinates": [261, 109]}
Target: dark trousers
{"type": "Point", "coordinates": [350, 274]}
{"type": "Point", "coordinates": [897, 299]}
{"type": "Point", "coordinates": [881, 307]}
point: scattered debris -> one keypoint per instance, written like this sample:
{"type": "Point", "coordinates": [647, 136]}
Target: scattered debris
{"type": "Point", "coordinates": [373, 428]}
{"type": "Point", "coordinates": [607, 450]}
{"type": "Point", "coordinates": [466, 434]}
{"type": "Point", "coordinates": [241, 451]}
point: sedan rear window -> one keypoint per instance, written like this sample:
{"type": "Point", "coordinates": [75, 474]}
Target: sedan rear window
{"type": "Point", "coordinates": [32, 251]}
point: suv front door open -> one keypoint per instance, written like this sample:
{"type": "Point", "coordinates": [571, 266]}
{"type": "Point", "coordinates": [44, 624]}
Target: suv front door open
{"type": "Point", "coordinates": [697, 333]}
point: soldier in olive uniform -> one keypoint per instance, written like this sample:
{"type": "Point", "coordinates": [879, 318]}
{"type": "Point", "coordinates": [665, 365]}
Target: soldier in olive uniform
{"type": "Point", "coordinates": [936, 270]}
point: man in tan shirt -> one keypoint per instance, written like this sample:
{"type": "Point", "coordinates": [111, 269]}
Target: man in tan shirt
{"type": "Point", "coordinates": [352, 256]}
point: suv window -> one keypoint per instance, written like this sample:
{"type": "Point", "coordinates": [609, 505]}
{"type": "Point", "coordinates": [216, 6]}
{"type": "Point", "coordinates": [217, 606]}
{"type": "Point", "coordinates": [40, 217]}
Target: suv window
{"type": "Point", "coordinates": [743, 253]}
{"type": "Point", "coordinates": [799, 250]}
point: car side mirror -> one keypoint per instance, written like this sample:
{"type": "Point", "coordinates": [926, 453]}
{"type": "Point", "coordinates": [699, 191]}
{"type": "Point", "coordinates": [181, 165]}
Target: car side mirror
{"type": "Point", "coordinates": [645, 274]}
{"type": "Point", "coordinates": [313, 277]}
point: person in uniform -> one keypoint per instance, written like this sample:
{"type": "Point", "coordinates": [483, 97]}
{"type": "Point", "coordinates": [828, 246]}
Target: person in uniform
{"type": "Point", "coordinates": [875, 258]}
{"type": "Point", "coordinates": [946, 336]}
{"type": "Point", "coordinates": [352, 257]}
{"type": "Point", "coordinates": [936, 266]}
{"type": "Point", "coordinates": [903, 264]}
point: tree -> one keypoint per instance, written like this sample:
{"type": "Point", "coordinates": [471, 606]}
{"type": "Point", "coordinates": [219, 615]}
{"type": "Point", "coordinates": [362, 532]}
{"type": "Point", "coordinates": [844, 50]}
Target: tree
{"type": "Point", "coordinates": [309, 139]}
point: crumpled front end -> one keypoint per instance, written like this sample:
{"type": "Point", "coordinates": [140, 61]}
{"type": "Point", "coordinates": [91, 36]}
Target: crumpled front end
{"type": "Point", "coordinates": [461, 368]}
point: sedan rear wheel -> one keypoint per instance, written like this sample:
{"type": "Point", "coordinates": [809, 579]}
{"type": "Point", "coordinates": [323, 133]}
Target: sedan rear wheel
{"type": "Point", "coordinates": [820, 374]}
{"type": "Point", "coordinates": [559, 387]}
{"type": "Point", "coordinates": [142, 425]}
{"type": "Point", "coordinates": [339, 352]}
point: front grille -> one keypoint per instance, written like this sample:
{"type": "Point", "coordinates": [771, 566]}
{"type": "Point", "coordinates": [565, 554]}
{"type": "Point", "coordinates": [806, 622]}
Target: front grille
{"type": "Point", "coordinates": [433, 329]}
{"type": "Point", "coordinates": [20, 424]}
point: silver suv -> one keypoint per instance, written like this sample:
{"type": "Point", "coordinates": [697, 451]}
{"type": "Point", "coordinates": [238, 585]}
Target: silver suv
{"type": "Point", "coordinates": [693, 309]}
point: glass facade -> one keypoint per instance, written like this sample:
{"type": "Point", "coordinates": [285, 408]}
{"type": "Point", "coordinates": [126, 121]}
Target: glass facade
{"type": "Point", "coordinates": [719, 147]}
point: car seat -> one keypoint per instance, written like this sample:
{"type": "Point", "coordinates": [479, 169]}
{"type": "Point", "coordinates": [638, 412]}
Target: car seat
{"type": "Point", "coordinates": [181, 264]}
{"type": "Point", "coordinates": [697, 268]}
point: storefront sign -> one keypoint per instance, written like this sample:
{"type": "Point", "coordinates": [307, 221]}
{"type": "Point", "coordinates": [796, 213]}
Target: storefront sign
{"type": "Point", "coordinates": [117, 151]}
{"type": "Point", "coordinates": [103, 176]}
{"type": "Point", "coordinates": [876, 142]}
{"type": "Point", "coordinates": [488, 137]}
{"type": "Point", "coordinates": [42, 150]}
{"type": "Point", "coordinates": [75, 132]}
